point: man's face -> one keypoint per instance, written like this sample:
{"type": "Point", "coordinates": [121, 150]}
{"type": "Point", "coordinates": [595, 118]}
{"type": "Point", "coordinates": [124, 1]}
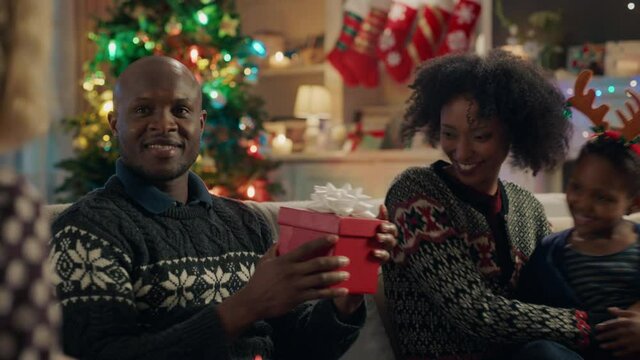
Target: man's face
{"type": "Point", "coordinates": [158, 120]}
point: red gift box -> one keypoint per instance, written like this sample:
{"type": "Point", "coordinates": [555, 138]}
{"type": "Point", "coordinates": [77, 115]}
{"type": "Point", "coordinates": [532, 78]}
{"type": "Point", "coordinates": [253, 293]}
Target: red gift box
{"type": "Point", "coordinates": [356, 240]}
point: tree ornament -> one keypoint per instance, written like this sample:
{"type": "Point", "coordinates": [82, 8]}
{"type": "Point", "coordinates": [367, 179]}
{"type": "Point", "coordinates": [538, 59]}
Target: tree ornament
{"type": "Point", "coordinates": [173, 27]}
{"type": "Point", "coordinates": [228, 26]}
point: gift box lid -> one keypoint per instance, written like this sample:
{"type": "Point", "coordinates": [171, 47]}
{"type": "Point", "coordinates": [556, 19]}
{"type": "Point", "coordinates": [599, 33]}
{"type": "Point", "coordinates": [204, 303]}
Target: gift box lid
{"type": "Point", "coordinates": [328, 222]}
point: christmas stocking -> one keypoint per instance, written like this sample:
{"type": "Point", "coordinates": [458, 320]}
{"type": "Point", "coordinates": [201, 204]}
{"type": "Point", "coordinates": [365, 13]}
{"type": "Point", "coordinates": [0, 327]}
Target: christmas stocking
{"type": "Point", "coordinates": [460, 27]}
{"type": "Point", "coordinates": [392, 45]}
{"type": "Point", "coordinates": [362, 59]}
{"type": "Point", "coordinates": [431, 25]}
{"type": "Point", "coordinates": [354, 12]}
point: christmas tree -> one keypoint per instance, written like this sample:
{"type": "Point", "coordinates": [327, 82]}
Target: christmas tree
{"type": "Point", "coordinates": [204, 35]}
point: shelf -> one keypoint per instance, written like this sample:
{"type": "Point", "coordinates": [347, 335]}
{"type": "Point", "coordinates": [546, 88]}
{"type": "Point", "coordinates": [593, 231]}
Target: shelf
{"type": "Point", "coordinates": [316, 69]}
{"type": "Point", "coordinates": [425, 155]}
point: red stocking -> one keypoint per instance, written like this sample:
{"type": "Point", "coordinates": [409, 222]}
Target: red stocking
{"type": "Point", "coordinates": [354, 12]}
{"type": "Point", "coordinates": [392, 49]}
{"type": "Point", "coordinates": [431, 25]}
{"type": "Point", "coordinates": [460, 27]}
{"type": "Point", "coordinates": [362, 59]}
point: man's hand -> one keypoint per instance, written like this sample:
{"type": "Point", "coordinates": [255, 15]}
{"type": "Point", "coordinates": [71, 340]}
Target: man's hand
{"type": "Point", "coordinates": [280, 283]}
{"type": "Point", "coordinates": [622, 334]}
{"type": "Point", "coordinates": [387, 238]}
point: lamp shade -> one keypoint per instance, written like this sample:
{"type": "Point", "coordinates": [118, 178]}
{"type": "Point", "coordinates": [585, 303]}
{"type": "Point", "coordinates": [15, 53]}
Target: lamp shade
{"type": "Point", "coordinates": [312, 100]}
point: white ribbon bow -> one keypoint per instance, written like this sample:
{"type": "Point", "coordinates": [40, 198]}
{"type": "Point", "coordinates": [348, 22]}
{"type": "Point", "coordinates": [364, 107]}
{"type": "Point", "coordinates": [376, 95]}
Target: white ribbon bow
{"type": "Point", "coordinates": [344, 201]}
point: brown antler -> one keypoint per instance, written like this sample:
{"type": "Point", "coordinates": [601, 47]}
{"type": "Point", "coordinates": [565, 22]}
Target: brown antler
{"type": "Point", "coordinates": [584, 101]}
{"type": "Point", "coordinates": [630, 127]}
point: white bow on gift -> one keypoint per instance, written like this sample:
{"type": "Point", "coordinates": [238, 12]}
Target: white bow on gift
{"type": "Point", "coordinates": [344, 201]}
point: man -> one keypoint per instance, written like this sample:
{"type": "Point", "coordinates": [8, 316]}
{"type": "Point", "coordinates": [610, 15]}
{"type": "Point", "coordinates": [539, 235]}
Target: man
{"type": "Point", "coordinates": [153, 266]}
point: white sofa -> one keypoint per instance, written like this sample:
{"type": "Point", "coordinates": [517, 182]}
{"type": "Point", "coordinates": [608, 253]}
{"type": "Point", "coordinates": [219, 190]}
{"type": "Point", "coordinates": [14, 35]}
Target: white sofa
{"type": "Point", "coordinates": [373, 342]}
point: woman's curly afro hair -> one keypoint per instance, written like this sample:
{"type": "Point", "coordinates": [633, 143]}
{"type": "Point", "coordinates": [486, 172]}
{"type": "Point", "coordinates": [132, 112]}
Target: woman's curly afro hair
{"type": "Point", "coordinates": [506, 87]}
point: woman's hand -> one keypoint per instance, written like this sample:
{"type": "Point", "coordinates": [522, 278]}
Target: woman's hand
{"type": "Point", "coordinates": [387, 237]}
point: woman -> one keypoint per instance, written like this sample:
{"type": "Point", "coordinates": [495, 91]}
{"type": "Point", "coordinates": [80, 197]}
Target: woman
{"type": "Point", "coordinates": [464, 234]}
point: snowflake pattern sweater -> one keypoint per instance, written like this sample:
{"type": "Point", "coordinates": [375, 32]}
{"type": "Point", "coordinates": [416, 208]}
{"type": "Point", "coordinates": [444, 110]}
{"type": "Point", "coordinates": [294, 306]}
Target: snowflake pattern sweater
{"type": "Point", "coordinates": [137, 284]}
{"type": "Point", "coordinates": [444, 293]}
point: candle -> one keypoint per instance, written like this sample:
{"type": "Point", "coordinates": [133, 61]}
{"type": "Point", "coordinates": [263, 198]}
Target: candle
{"type": "Point", "coordinates": [278, 60]}
{"type": "Point", "coordinates": [281, 145]}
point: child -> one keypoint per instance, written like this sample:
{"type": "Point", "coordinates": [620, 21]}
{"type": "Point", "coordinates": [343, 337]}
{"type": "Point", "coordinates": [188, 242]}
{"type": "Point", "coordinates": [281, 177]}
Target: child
{"type": "Point", "coordinates": [595, 266]}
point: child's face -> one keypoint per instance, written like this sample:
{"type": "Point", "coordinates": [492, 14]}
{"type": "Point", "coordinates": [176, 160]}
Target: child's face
{"type": "Point", "coordinates": [597, 197]}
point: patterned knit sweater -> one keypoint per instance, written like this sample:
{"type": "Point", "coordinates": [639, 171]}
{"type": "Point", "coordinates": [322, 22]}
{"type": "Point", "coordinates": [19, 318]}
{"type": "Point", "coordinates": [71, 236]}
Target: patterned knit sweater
{"type": "Point", "coordinates": [138, 285]}
{"type": "Point", "coordinates": [443, 290]}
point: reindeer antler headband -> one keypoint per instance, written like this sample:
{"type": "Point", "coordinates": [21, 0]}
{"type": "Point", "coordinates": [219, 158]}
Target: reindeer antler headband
{"type": "Point", "coordinates": [582, 101]}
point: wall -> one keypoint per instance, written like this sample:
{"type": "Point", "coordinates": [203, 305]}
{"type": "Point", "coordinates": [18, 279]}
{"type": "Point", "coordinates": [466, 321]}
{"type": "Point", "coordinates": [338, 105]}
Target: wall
{"type": "Point", "coordinates": [583, 20]}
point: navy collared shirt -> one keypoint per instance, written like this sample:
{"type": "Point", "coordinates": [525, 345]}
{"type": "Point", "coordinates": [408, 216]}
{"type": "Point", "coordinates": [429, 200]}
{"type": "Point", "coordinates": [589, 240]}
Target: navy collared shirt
{"type": "Point", "coordinates": [154, 200]}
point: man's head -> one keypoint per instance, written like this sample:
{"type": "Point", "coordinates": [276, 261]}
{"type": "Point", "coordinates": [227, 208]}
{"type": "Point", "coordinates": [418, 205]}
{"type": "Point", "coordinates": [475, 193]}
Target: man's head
{"type": "Point", "coordinates": [158, 118]}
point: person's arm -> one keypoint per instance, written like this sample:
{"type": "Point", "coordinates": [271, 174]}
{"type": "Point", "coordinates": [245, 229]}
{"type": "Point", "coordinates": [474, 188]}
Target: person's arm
{"type": "Point", "coordinates": [100, 317]}
{"type": "Point", "coordinates": [439, 262]}
{"type": "Point", "coordinates": [23, 245]}
{"type": "Point", "coordinates": [314, 331]}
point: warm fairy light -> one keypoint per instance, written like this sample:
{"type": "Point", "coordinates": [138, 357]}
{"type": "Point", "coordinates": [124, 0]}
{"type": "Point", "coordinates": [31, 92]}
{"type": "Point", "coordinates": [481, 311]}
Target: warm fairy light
{"type": "Point", "coordinates": [253, 149]}
{"type": "Point", "coordinates": [251, 191]}
{"type": "Point", "coordinates": [631, 6]}
{"type": "Point", "coordinates": [247, 71]}
{"type": "Point", "coordinates": [203, 63]}
{"type": "Point", "coordinates": [633, 83]}
{"type": "Point", "coordinates": [585, 134]}
{"type": "Point", "coordinates": [106, 138]}
{"type": "Point", "coordinates": [106, 108]}
{"type": "Point", "coordinates": [193, 54]}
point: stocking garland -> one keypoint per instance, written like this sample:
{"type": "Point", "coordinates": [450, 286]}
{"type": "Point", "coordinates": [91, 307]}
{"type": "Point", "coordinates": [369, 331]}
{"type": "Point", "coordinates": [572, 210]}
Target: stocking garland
{"type": "Point", "coordinates": [401, 34]}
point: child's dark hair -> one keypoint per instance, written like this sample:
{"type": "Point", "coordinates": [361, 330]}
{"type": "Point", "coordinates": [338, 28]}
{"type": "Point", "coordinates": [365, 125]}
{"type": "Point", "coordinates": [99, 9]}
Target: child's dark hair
{"type": "Point", "coordinates": [505, 86]}
{"type": "Point", "coordinates": [623, 159]}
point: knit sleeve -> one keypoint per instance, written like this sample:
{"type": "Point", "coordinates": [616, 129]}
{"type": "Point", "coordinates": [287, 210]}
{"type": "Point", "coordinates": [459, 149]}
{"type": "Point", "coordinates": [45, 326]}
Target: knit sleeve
{"type": "Point", "coordinates": [313, 331]}
{"type": "Point", "coordinates": [436, 256]}
{"type": "Point", "coordinates": [27, 327]}
{"type": "Point", "coordinates": [92, 277]}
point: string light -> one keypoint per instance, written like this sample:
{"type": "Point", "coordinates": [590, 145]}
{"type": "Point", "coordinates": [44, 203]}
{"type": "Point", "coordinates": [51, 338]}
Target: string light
{"type": "Point", "coordinates": [631, 6]}
{"type": "Point", "coordinates": [585, 134]}
{"type": "Point", "coordinates": [259, 48]}
{"type": "Point", "coordinates": [202, 17]}
{"type": "Point", "coordinates": [193, 54]}
{"type": "Point", "coordinates": [598, 93]}
{"type": "Point", "coordinates": [111, 48]}
{"type": "Point", "coordinates": [633, 83]}
{"type": "Point", "coordinates": [611, 89]}
{"type": "Point", "coordinates": [251, 191]}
